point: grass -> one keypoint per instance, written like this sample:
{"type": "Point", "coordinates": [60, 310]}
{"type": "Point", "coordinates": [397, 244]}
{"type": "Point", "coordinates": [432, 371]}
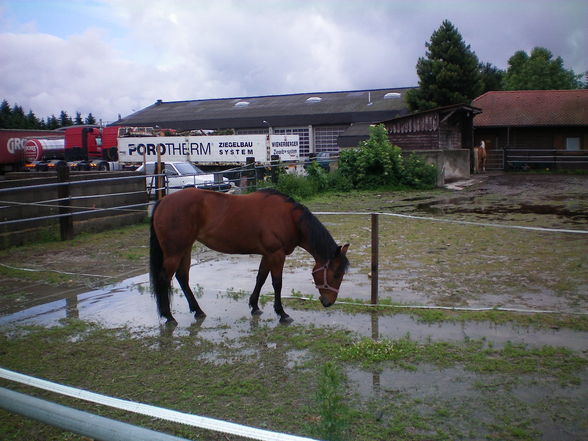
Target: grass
{"type": "Point", "coordinates": [473, 355]}
{"type": "Point", "coordinates": [228, 379]}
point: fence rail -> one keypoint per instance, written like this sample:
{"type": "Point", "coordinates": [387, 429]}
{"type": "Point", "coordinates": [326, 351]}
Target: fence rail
{"type": "Point", "coordinates": [151, 411]}
{"type": "Point", "coordinates": [33, 208]}
{"type": "Point", "coordinates": [545, 158]}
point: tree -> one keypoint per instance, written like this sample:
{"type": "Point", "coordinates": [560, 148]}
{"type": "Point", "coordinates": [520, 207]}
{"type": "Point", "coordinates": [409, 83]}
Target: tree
{"type": "Point", "coordinates": [492, 77]}
{"type": "Point", "coordinates": [90, 119]}
{"type": "Point", "coordinates": [78, 120]}
{"type": "Point", "coordinates": [5, 114]}
{"type": "Point", "coordinates": [449, 74]}
{"type": "Point", "coordinates": [539, 71]}
{"type": "Point", "coordinates": [52, 123]}
{"type": "Point", "coordinates": [65, 119]}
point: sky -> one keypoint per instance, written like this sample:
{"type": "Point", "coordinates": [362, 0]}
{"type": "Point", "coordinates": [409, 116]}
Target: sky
{"type": "Point", "coordinates": [115, 57]}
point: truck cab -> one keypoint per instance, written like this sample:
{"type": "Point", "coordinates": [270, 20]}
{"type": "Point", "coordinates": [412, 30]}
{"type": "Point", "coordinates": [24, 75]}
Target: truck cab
{"type": "Point", "coordinates": [85, 150]}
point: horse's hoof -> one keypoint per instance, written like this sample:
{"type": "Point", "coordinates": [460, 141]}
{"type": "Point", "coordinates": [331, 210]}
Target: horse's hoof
{"type": "Point", "coordinates": [256, 312]}
{"type": "Point", "coordinates": [286, 319]}
{"type": "Point", "coordinates": [171, 322]}
{"type": "Point", "coordinates": [200, 316]}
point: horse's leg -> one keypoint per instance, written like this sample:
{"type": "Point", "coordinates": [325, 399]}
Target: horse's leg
{"type": "Point", "coordinates": [261, 278]}
{"type": "Point", "coordinates": [170, 266]}
{"type": "Point", "coordinates": [276, 262]}
{"type": "Point", "coordinates": [183, 278]}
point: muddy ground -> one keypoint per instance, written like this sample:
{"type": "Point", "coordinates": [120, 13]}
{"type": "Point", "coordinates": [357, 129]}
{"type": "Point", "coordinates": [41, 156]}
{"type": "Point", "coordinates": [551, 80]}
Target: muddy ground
{"type": "Point", "coordinates": [410, 250]}
{"type": "Point", "coordinates": [429, 376]}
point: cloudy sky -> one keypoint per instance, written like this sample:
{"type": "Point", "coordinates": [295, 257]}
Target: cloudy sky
{"type": "Point", "coordinates": [112, 57]}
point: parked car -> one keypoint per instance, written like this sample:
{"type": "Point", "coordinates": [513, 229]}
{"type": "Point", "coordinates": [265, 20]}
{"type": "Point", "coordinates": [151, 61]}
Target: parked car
{"type": "Point", "coordinates": [180, 175]}
{"type": "Point", "coordinates": [323, 159]}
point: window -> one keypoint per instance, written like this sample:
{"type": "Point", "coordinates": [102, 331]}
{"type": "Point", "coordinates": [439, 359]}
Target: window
{"type": "Point", "coordinates": [573, 144]}
{"type": "Point", "coordinates": [325, 138]}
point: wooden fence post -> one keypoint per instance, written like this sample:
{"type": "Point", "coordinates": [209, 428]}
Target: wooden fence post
{"type": "Point", "coordinates": [65, 222]}
{"type": "Point", "coordinates": [375, 257]}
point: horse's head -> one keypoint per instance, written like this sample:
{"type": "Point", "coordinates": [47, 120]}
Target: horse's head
{"type": "Point", "coordinates": [329, 275]}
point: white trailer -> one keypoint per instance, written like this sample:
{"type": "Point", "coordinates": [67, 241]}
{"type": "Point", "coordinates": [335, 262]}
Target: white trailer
{"type": "Point", "coordinates": [209, 150]}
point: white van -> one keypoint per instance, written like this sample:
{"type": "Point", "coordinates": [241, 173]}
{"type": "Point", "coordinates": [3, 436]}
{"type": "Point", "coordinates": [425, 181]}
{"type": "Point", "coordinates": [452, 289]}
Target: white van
{"type": "Point", "coordinates": [180, 175]}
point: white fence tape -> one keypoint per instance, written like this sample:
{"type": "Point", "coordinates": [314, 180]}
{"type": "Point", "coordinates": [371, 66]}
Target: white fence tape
{"type": "Point", "coordinates": [455, 221]}
{"type": "Point", "coordinates": [152, 411]}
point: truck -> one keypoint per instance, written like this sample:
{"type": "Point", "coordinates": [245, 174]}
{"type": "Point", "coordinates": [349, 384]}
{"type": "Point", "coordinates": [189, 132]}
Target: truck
{"type": "Point", "coordinates": [12, 142]}
{"type": "Point", "coordinates": [120, 147]}
{"type": "Point", "coordinates": [81, 148]}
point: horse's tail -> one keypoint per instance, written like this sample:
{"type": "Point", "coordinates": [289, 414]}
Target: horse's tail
{"type": "Point", "coordinates": [159, 283]}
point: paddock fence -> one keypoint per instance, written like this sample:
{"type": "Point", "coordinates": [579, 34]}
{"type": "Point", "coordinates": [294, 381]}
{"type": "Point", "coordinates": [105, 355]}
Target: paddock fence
{"type": "Point", "coordinates": [38, 206]}
{"type": "Point", "coordinates": [110, 430]}
{"type": "Point", "coordinates": [526, 159]}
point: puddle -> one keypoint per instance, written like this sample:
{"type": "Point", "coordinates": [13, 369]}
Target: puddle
{"type": "Point", "coordinates": [129, 303]}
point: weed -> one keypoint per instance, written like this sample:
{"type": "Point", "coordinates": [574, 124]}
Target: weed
{"type": "Point", "coordinates": [334, 415]}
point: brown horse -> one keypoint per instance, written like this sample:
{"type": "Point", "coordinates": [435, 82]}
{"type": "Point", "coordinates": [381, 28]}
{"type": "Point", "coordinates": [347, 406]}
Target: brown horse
{"type": "Point", "coordinates": [265, 222]}
{"type": "Point", "coordinates": [480, 158]}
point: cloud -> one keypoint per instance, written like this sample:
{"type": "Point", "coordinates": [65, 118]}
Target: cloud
{"type": "Point", "coordinates": [113, 57]}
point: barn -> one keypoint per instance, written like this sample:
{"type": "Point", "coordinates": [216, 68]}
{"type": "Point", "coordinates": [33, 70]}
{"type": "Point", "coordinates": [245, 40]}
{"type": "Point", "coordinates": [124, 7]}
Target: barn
{"type": "Point", "coordinates": [318, 118]}
{"type": "Point", "coordinates": [528, 129]}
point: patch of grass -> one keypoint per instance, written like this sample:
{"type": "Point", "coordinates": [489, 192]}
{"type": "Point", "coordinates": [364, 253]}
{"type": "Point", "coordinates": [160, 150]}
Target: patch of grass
{"type": "Point", "coordinates": [474, 355]}
{"type": "Point", "coordinates": [334, 415]}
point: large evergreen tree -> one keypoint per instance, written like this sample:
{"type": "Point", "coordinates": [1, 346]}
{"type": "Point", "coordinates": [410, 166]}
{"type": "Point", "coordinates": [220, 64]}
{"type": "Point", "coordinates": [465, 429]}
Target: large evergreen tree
{"type": "Point", "coordinates": [449, 74]}
{"type": "Point", "coordinates": [539, 71]}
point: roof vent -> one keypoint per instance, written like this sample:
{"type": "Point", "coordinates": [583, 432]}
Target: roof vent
{"type": "Point", "coordinates": [242, 104]}
{"type": "Point", "coordinates": [314, 99]}
{"type": "Point", "coordinates": [391, 95]}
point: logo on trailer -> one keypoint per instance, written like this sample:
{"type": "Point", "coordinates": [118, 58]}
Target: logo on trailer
{"type": "Point", "coordinates": [31, 151]}
{"type": "Point", "coordinates": [14, 145]}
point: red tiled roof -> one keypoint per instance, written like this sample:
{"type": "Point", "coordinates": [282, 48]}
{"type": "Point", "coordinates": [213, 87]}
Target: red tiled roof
{"type": "Point", "coordinates": [533, 108]}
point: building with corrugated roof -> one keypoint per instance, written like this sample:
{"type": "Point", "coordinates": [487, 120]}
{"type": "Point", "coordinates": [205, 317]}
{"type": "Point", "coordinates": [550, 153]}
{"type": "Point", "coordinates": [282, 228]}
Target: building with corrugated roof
{"type": "Point", "coordinates": [318, 118]}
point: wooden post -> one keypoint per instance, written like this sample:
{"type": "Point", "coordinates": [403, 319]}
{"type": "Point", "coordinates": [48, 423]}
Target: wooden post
{"type": "Point", "coordinates": [65, 222]}
{"type": "Point", "coordinates": [275, 163]}
{"type": "Point", "coordinates": [159, 169]}
{"type": "Point", "coordinates": [375, 258]}
{"type": "Point", "coordinates": [250, 171]}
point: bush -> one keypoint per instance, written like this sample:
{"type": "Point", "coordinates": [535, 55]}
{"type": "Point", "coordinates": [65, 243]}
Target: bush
{"type": "Point", "coordinates": [377, 163]}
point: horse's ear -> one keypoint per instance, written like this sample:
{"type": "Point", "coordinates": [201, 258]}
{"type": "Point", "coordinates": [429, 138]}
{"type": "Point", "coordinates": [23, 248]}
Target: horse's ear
{"type": "Point", "coordinates": [343, 249]}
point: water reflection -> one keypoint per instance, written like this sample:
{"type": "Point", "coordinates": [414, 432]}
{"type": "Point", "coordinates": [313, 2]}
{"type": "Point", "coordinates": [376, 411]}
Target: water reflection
{"type": "Point", "coordinates": [130, 304]}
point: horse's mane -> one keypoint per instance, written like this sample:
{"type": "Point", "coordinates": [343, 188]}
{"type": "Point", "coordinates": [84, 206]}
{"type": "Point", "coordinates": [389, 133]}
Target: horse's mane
{"type": "Point", "coordinates": [322, 243]}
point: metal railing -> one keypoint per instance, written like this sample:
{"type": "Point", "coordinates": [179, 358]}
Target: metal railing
{"type": "Point", "coordinates": [545, 158]}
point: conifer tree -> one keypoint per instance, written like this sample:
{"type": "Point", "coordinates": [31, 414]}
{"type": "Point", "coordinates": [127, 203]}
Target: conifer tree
{"type": "Point", "coordinates": [449, 74]}
{"type": "Point", "coordinates": [78, 121]}
{"type": "Point", "coordinates": [90, 119]}
{"type": "Point", "coordinates": [65, 119]}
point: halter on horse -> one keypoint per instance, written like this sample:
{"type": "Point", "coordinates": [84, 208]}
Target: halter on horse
{"type": "Point", "coordinates": [265, 222]}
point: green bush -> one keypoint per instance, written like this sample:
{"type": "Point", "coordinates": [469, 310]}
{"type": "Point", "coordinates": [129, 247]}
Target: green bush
{"type": "Point", "coordinates": [376, 163]}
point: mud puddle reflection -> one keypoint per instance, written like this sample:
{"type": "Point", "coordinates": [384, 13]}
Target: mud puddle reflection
{"type": "Point", "coordinates": [223, 287]}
